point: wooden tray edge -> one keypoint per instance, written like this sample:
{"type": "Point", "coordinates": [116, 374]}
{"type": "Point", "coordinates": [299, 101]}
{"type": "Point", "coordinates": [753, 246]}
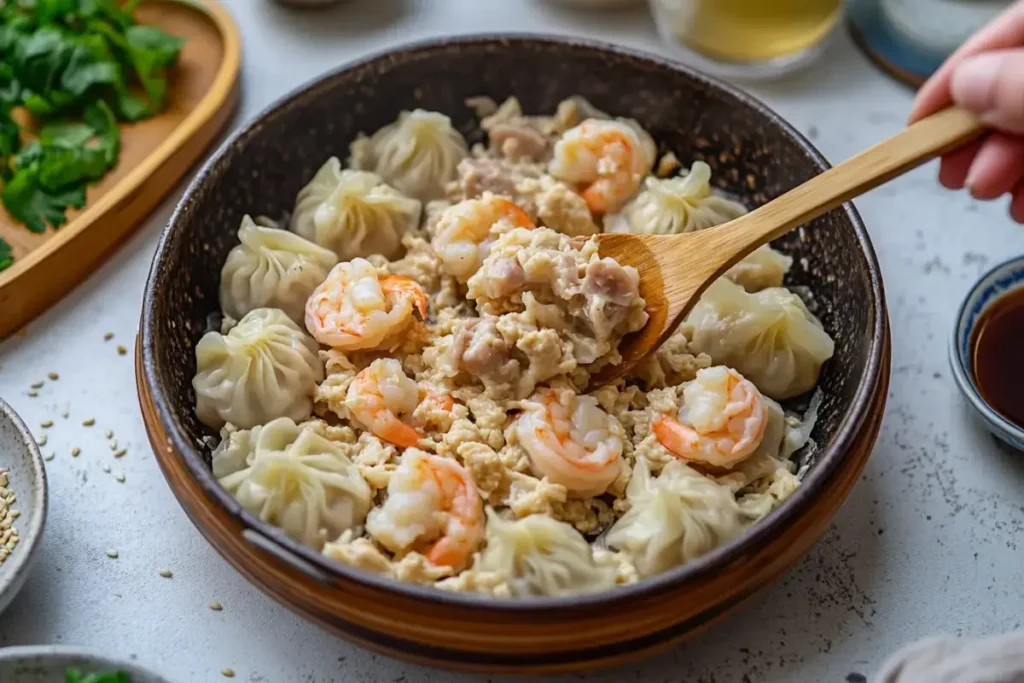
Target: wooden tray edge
{"type": "Point", "coordinates": [21, 299]}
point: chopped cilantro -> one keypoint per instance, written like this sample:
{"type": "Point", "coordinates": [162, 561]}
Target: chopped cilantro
{"type": "Point", "coordinates": [6, 255]}
{"type": "Point", "coordinates": [75, 676]}
{"type": "Point", "coordinates": [77, 66]}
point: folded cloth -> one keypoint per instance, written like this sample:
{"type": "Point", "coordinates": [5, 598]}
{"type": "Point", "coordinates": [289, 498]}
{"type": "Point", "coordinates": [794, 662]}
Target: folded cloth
{"type": "Point", "coordinates": [945, 659]}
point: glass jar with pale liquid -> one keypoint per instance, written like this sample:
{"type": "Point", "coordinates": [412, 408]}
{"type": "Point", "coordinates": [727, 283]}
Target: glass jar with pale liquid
{"type": "Point", "coordinates": [748, 38]}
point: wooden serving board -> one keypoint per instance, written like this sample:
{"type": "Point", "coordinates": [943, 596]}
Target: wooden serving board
{"type": "Point", "coordinates": [155, 154]}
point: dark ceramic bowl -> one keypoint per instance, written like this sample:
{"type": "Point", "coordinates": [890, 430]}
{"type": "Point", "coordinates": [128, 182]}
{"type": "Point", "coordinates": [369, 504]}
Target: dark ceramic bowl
{"type": "Point", "coordinates": [754, 154]}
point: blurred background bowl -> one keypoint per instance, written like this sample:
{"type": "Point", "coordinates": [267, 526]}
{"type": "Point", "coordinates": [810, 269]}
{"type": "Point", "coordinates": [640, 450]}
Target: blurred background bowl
{"type": "Point", "coordinates": [49, 664]}
{"type": "Point", "coordinates": [19, 455]}
{"type": "Point", "coordinates": [753, 154]}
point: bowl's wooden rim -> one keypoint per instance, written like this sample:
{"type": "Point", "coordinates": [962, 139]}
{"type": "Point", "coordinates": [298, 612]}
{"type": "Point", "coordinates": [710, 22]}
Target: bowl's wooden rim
{"type": "Point", "coordinates": [172, 438]}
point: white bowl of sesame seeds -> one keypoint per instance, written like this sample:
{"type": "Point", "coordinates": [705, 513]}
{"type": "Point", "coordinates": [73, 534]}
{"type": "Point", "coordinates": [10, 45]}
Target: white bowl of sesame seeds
{"type": "Point", "coordinates": [22, 503]}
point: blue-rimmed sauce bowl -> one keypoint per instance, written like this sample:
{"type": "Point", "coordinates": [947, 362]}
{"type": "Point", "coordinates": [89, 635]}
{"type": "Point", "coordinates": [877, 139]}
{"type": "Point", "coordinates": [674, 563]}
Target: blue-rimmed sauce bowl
{"type": "Point", "coordinates": [1000, 281]}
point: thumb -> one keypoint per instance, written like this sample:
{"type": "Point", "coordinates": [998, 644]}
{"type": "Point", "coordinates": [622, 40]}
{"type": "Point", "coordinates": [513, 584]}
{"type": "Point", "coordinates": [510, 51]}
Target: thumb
{"type": "Point", "coordinates": [991, 85]}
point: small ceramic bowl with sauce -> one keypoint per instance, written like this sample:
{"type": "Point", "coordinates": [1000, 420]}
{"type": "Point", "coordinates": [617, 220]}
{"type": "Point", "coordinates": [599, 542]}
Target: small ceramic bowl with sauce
{"type": "Point", "coordinates": [986, 350]}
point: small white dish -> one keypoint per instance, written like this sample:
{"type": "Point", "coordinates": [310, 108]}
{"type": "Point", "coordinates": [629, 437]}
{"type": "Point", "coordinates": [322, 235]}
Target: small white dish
{"type": "Point", "coordinates": [50, 663]}
{"type": "Point", "coordinates": [19, 455]}
{"type": "Point", "coordinates": [997, 282]}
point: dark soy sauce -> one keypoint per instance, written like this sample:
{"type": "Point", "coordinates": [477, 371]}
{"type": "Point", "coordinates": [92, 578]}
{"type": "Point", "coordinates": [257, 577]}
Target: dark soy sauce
{"type": "Point", "coordinates": [997, 356]}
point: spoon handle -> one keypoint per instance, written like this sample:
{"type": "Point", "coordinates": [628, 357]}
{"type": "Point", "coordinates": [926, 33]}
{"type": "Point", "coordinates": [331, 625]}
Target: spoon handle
{"type": "Point", "coordinates": [911, 147]}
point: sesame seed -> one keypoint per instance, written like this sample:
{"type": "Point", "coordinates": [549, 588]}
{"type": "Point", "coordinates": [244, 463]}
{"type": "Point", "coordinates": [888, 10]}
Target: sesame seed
{"type": "Point", "coordinates": [8, 534]}
{"type": "Point", "coordinates": [113, 444]}
{"type": "Point", "coordinates": [46, 424]}
{"type": "Point", "coordinates": [88, 422]}
{"type": "Point", "coordinates": [108, 336]}
{"type": "Point", "coordinates": [106, 468]}
{"type": "Point", "coordinates": [33, 394]}
{"type": "Point", "coordinates": [41, 440]}
{"type": "Point", "coordinates": [37, 385]}
{"type": "Point", "coordinates": [216, 606]}
{"type": "Point", "coordinates": [49, 456]}
{"type": "Point", "coordinates": [120, 477]}
{"type": "Point", "coordinates": [227, 673]}
{"type": "Point", "coordinates": [120, 453]}
{"type": "Point", "coordinates": [166, 573]}
{"type": "Point", "coordinates": [112, 553]}
{"type": "Point", "coordinates": [75, 451]}
{"type": "Point", "coordinates": [53, 376]}
{"type": "Point", "coordinates": [121, 350]}
{"type": "Point", "coordinates": [109, 433]}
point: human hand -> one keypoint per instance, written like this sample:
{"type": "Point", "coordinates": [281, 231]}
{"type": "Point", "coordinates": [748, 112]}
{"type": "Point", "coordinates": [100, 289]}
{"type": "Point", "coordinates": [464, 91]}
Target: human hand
{"type": "Point", "coordinates": [985, 76]}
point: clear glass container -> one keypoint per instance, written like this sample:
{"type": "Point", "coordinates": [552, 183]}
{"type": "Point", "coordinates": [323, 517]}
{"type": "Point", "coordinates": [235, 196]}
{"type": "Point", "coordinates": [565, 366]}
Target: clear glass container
{"type": "Point", "coordinates": [748, 39]}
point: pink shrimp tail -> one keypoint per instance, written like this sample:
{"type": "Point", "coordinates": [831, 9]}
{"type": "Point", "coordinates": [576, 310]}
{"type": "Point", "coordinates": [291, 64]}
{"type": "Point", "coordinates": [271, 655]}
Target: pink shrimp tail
{"type": "Point", "coordinates": [673, 436]}
{"type": "Point", "coordinates": [402, 434]}
{"type": "Point", "coordinates": [596, 199]}
{"type": "Point", "coordinates": [464, 529]}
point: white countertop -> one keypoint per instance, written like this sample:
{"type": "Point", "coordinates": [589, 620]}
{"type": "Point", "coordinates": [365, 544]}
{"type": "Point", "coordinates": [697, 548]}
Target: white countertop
{"type": "Point", "coordinates": [926, 543]}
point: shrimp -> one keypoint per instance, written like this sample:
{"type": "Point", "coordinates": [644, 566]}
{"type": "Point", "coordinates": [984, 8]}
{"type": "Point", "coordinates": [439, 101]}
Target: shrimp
{"type": "Point", "coordinates": [379, 395]}
{"type": "Point", "coordinates": [466, 231]}
{"type": "Point", "coordinates": [571, 441]}
{"type": "Point", "coordinates": [358, 308]}
{"type": "Point", "coordinates": [721, 422]}
{"type": "Point", "coordinates": [605, 159]}
{"type": "Point", "coordinates": [433, 507]}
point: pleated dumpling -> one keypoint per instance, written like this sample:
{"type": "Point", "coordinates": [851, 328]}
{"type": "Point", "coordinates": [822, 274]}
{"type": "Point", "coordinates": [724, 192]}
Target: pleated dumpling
{"type": "Point", "coordinates": [677, 517]}
{"type": "Point", "coordinates": [417, 154]}
{"type": "Point", "coordinates": [292, 477]}
{"type": "Point", "coordinates": [769, 337]}
{"type": "Point", "coordinates": [762, 268]}
{"type": "Point", "coordinates": [675, 205]}
{"type": "Point", "coordinates": [538, 555]}
{"type": "Point", "coordinates": [271, 268]}
{"type": "Point", "coordinates": [353, 213]}
{"type": "Point", "coordinates": [265, 367]}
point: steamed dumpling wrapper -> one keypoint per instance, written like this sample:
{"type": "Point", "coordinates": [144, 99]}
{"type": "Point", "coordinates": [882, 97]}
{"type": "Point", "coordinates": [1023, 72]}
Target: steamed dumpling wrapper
{"type": "Point", "coordinates": [539, 555]}
{"type": "Point", "coordinates": [676, 205]}
{"type": "Point", "coordinates": [769, 337]}
{"type": "Point", "coordinates": [762, 268]}
{"type": "Point", "coordinates": [292, 477]}
{"type": "Point", "coordinates": [265, 367]}
{"type": "Point", "coordinates": [417, 154]}
{"type": "Point", "coordinates": [354, 213]}
{"type": "Point", "coordinates": [686, 203]}
{"type": "Point", "coordinates": [679, 516]}
{"type": "Point", "coordinates": [271, 268]}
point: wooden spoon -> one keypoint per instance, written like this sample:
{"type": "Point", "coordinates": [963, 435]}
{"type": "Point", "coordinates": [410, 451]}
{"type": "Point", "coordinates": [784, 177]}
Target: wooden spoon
{"type": "Point", "coordinates": [676, 269]}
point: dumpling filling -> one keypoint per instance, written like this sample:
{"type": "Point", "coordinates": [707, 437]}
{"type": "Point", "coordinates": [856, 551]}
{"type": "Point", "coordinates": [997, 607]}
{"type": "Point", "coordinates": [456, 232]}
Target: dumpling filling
{"type": "Point", "coordinates": [407, 388]}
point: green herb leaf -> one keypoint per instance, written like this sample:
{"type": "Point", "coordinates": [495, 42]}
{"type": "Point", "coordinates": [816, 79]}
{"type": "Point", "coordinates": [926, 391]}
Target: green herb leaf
{"type": "Point", "coordinates": [52, 11]}
{"type": "Point", "coordinates": [77, 66]}
{"type": "Point", "coordinates": [10, 138]}
{"type": "Point", "coordinates": [6, 255]}
{"type": "Point", "coordinates": [75, 676]}
{"type": "Point", "coordinates": [66, 134]}
{"type": "Point", "coordinates": [30, 203]}
{"type": "Point", "coordinates": [152, 52]}
{"type": "Point", "coordinates": [131, 107]}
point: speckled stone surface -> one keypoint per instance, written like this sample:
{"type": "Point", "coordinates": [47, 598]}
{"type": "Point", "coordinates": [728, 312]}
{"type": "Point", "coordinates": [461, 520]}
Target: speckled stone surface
{"type": "Point", "coordinates": [927, 543]}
